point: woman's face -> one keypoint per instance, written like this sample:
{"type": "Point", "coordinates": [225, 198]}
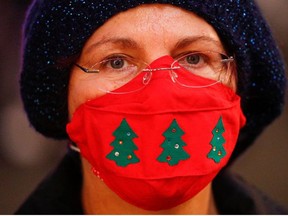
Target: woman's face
{"type": "Point", "coordinates": [147, 33]}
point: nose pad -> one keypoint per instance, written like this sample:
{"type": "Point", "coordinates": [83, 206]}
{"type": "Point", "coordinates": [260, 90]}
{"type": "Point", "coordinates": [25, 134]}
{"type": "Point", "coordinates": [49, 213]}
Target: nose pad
{"type": "Point", "coordinates": [173, 76]}
{"type": "Point", "coordinates": [147, 77]}
{"type": "Point", "coordinates": [162, 62]}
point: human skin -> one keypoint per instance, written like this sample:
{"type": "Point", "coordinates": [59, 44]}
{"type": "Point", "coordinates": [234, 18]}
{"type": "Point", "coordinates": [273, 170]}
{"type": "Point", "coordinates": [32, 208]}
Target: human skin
{"type": "Point", "coordinates": [146, 32]}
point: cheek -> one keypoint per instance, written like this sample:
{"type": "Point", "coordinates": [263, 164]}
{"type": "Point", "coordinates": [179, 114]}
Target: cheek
{"type": "Point", "coordinates": [80, 91]}
{"type": "Point", "coordinates": [230, 80]}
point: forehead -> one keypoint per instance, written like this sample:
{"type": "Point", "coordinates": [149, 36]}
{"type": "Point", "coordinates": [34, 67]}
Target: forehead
{"type": "Point", "coordinates": [154, 23]}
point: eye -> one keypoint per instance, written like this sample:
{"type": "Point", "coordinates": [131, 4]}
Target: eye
{"type": "Point", "coordinates": [193, 59]}
{"type": "Point", "coordinates": [117, 63]}
{"type": "Point", "coordinates": [117, 67]}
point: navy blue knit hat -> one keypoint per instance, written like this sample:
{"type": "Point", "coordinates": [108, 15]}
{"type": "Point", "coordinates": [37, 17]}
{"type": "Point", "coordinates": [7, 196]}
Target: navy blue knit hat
{"type": "Point", "coordinates": [55, 32]}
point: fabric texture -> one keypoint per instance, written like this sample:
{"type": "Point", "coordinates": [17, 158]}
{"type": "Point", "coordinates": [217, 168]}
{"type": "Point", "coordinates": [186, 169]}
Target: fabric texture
{"type": "Point", "coordinates": [55, 32]}
{"type": "Point", "coordinates": [60, 193]}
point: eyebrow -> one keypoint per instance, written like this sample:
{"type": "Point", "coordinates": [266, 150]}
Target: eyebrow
{"type": "Point", "coordinates": [184, 42]}
{"type": "Point", "coordinates": [130, 43]}
{"type": "Point", "coordinates": [123, 42]}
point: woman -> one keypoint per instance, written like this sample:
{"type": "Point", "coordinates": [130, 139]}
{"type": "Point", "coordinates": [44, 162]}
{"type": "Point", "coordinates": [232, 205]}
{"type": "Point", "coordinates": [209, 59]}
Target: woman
{"type": "Point", "coordinates": [152, 103]}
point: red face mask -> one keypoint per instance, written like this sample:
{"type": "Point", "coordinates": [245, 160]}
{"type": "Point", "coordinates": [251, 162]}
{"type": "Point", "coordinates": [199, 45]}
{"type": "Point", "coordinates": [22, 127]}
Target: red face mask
{"type": "Point", "coordinates": [158, 147]}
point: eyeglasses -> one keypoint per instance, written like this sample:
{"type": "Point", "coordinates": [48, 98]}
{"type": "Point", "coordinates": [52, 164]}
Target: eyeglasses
{"type": "Point", "coordinates": [114, 72]}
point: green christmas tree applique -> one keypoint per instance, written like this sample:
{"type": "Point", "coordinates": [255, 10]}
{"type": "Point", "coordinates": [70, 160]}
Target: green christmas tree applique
{"type": "Point", "coordinates": [123, 146]}
{"type": "Point", "coordinates": [217, 152]}
{"type": "Point", "coordinates": [173, 145]}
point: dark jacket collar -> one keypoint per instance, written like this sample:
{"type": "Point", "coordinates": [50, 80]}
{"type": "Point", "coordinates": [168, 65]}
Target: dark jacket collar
{"type": "Point", "coordinates": [60, 193]}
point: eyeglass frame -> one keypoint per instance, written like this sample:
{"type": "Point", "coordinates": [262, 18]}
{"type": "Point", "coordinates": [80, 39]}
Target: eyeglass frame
{"type": "Point", "coordinates": [227, 59]}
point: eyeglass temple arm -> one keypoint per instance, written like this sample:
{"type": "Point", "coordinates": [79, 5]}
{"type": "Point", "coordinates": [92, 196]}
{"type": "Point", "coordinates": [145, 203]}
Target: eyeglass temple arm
{"type": "Point", "coordinates": [86, 70]}
{"type": "Point", "coordinates": [229, 59]}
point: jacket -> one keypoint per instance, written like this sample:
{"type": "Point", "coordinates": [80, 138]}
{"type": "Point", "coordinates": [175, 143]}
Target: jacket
{"type": "Point", "coordinates": [60, 193]}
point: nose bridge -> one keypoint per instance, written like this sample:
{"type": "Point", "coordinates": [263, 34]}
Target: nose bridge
{"type": "Point", "coordinates": [160, 69]}
{"type": "Point", "coordinates": [161, 63]}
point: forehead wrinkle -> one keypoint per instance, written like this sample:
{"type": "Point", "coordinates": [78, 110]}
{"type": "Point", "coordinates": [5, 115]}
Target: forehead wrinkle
{"type": "Point", "coordinates": [115, 41]}
{"type": "Point", "coordinates": [187, 41]}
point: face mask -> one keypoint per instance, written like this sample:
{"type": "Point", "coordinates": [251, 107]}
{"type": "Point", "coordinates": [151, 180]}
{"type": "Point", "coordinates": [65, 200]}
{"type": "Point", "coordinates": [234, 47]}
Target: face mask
{"type": "Point", "coordinates": [159, 146]}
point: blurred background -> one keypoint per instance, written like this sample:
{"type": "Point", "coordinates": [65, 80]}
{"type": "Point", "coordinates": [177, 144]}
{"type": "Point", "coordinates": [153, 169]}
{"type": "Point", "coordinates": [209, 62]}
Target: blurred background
{"type": "Point", "coordinates": [26, 157]}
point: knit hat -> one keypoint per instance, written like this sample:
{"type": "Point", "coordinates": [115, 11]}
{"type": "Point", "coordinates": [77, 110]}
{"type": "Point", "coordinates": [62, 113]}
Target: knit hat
{"type": "Point", "coordinates": [55, 33]}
